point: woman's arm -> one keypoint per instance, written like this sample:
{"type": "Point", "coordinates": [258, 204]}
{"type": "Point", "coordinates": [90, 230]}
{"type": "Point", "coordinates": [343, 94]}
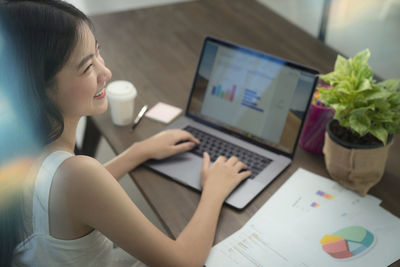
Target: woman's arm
{"type": "Point", "coordinates": [127, 160]}
{"type": "Point", "coordinates": [159, 146]}
{"type": "Point", "coordinates": [217, 182]}
{"type": "Point", "coordinates": [97, 200]}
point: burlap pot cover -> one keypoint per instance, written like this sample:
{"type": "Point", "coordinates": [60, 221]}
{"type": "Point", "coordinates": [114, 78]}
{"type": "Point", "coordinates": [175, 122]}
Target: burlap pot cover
{"type": "Point", "coordinates": [356, 169]}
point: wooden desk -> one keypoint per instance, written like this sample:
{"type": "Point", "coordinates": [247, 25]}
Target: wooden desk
{"type": "Point", "coordinates": [158, 49]}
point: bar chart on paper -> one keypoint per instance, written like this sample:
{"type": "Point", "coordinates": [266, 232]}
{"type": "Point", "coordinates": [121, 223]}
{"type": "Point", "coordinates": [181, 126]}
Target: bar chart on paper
{"type": "Point", "coordinates": [321, 194]}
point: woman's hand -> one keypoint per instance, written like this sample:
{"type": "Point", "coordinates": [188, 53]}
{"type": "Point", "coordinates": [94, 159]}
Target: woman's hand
{"type": "Point", "coordinates": [159, 146]}
{"type": "Point", "coordinates": [223, 176]}
{"type": "Point", "coordinates": [164, 144]}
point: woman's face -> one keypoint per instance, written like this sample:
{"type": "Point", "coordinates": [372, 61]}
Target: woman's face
{"type": "Point", "coordinates": [80, 85]}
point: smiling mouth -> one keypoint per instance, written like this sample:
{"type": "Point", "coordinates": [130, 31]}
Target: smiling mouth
{"type": "Point", "coordinates": [101, 93]}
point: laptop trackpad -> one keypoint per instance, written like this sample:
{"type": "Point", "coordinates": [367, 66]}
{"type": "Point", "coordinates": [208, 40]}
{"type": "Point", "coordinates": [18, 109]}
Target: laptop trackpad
{"type": "Point", "coordinates": [184, 167]}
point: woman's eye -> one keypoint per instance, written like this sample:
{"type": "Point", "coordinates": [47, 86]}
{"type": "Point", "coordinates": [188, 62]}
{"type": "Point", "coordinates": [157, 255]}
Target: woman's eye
{"type": "Point", "coordinates": [88, 68]}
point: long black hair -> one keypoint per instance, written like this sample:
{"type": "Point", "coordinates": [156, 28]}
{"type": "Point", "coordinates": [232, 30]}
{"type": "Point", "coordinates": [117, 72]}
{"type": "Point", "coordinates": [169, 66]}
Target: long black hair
{"type": "Point", "coordinates": [36, 39]}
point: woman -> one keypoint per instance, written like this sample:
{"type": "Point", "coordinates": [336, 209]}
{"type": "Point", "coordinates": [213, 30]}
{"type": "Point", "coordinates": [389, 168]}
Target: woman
{"type": "Point", "coordinates": [76, 204]}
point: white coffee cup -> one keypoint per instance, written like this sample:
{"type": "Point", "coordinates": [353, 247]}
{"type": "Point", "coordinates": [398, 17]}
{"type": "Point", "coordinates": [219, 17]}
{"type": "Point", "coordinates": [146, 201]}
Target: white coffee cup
{"type": "Point", "coordinates": [121, 96]}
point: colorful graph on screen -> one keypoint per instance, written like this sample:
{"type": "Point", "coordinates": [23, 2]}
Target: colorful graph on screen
{"type": "Point", "coordinates": [348, 242]}
{"type": "Point", "coordinates": [224, 93]}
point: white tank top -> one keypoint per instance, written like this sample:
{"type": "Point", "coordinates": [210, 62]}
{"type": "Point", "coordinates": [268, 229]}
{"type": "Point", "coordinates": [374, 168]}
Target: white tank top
{"type": "Point", "coordinates": [41, 249]}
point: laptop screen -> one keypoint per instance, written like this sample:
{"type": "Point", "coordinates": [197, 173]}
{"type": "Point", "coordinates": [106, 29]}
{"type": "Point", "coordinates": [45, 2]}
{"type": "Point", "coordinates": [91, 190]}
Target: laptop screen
{"type": "Point", "coordinates": [252, 94]}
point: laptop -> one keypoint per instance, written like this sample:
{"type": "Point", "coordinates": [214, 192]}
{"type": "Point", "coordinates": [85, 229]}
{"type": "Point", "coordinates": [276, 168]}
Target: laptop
{"type": "Point", "coordinates": [243, 103]}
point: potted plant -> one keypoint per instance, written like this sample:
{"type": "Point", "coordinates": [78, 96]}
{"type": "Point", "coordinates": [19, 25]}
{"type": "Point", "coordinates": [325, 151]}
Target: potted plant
{"type": "Point", "coordinates": [367, 115]}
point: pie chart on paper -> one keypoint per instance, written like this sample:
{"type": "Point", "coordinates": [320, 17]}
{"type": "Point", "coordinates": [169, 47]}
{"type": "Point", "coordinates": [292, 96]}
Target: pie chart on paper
{"type": "Point", "coordinates": [348, 242]}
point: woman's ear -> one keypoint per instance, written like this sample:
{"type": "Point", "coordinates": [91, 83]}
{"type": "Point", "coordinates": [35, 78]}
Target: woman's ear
{"type": "Point", "coordinates": [51, 90]}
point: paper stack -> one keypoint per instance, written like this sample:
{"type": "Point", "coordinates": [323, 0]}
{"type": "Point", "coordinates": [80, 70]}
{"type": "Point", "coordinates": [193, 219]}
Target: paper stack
{"type": "Point", "coordinates": [313, 221]}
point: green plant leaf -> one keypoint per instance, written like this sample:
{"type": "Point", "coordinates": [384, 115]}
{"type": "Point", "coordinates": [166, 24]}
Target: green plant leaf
{"type": "Point", "coordinates": [361, 58]}
{"type": "Point", "coordinates": [329, 77]}
{"type": "Point", "coordinates": [327, 96]}
{"type": "Point", "coordinates": [360, 103]}
{"type": "Point", "coordinates": [394, 127]}
{"type": "Point", "coordinates": [376, 94]}
{"type": "Point", "coordinates": [380, 133]}
{"type": "Point", "coordinates": [394, 100]}
{"type": "Point", "coordinates": [391, 85]}
{"type": "Point", "coordinates": [381, 118]}
{"type": "Point", "coordinates": [360, 123]}
{"type": "Point", "coordinates": [344, 89]}
{"type": "Point", "coordinates": [365, 73]}
{"type": "Point", "coordinates": [361, 111]}
{"type": "Point", "coordinates": [381, 105]}
{"type": "Point", "coordinates": [339, 108]}
{"type": "Point", "coordinates": [365, 85]}
{"type": "Point", "coordinates": [342, 65]}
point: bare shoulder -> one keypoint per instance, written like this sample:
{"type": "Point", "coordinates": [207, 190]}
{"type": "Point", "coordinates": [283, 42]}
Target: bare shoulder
{"type": "Point", "coordinates": [81, 176]}
{"type": "Point", "coordinates": [81, 184]}
{"type": "Point", "coordinates": [80, 165]}
{"type": "Point", "coordinates": [80, 168]}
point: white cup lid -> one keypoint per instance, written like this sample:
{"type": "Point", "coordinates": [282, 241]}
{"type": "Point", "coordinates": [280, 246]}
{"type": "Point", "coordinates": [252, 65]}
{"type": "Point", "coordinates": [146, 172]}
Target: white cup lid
{"type": "Point", "coordinates": [121, 90]}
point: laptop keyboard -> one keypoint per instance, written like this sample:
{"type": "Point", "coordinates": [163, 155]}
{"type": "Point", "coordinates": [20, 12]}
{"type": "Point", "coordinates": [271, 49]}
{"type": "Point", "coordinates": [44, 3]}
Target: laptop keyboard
{"type": "Point", "coordinates": [216, 147]}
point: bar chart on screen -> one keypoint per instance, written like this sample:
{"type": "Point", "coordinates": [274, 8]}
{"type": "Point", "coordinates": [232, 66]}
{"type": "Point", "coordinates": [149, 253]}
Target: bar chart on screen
{"type": "Point", "coordinates": [224, 92]}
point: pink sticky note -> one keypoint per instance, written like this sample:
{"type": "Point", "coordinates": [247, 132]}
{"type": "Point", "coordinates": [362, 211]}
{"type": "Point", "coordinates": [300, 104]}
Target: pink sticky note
{"type": "Point", "coordinates": [163, 112]}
